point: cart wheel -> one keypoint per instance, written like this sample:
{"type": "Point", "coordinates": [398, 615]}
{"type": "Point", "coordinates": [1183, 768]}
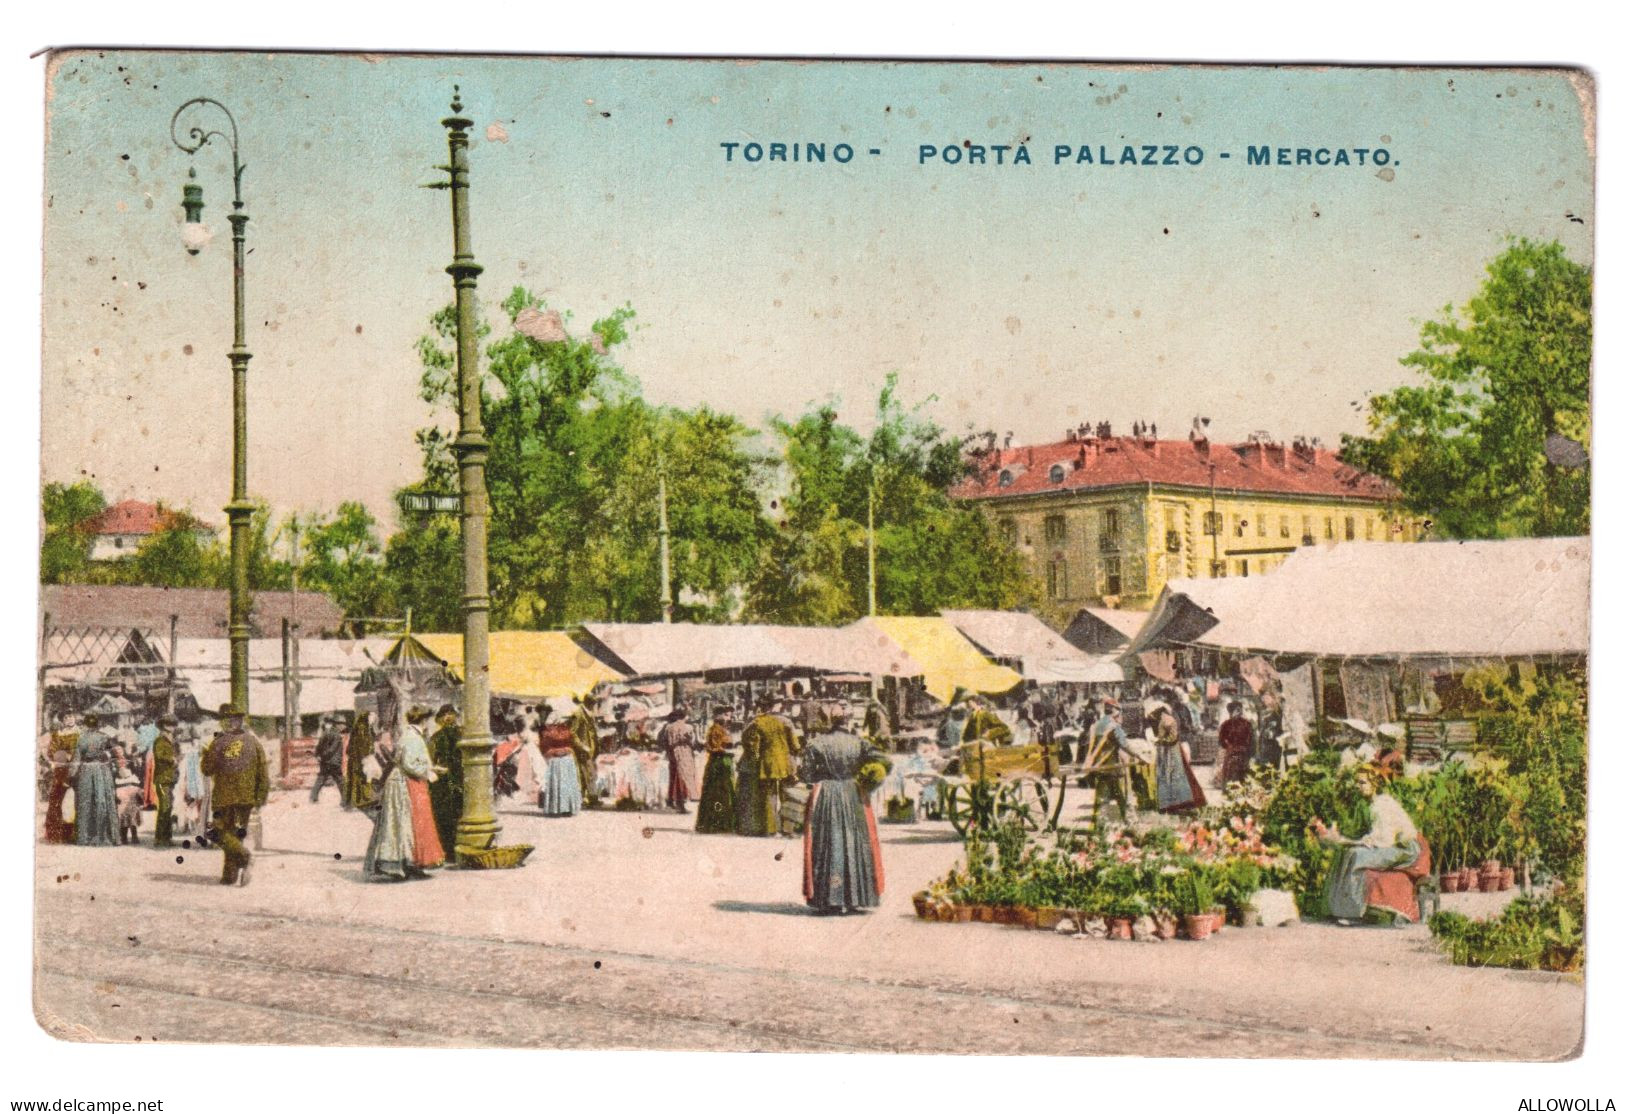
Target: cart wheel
{"type": "Point", "coordinates": [957, 808]}
{"type": "Point", "coordinates": [1025, 800]}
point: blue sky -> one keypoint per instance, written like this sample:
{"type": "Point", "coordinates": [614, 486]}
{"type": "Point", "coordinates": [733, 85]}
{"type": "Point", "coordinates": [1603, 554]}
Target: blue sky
{"type": "Point", "coordinates": [1024, 298]}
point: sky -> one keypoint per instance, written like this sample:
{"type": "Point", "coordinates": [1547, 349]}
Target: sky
{"type": "Point", "coordinates": [1018, 298]}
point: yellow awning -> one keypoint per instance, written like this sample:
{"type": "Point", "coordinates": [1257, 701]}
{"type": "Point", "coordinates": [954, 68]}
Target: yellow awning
{"type": "Point", "coordinates": [528, 663]}
{"type": "Point", "coordinates": [945, 657]}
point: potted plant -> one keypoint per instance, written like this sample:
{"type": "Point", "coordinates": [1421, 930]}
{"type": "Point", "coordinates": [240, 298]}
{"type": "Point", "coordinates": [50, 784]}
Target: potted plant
{"type": "Point", "coordinates": [1193, 897]}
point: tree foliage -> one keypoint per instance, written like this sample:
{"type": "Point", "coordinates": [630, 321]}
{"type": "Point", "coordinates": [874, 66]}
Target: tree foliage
{"type": "Point", "coordinates": [1492, 441]}
{"type": "Point", "coordinates": [930, 553]}
{"type": "Point", "coordinates": [65, 548]}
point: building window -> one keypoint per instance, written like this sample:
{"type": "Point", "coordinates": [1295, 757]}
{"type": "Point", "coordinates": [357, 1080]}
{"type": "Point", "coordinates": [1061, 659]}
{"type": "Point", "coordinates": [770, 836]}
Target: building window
{"type": "Point", "coordinates": [1007, 530]}
{"type": "Point", "coordinates": [1006, 478]}
{"type": "Point", "coordinates": [1328, 525]}
{"type": "Point", "coordinates": [1055, 528]}
{"type": "Point", "coordinates": [1057, 578]}
{"type": "Point", "coordinates": [1215, 569]}
{"type": "Point", "coordinates": [1057, 473]}
{"type": "Point", "coordinates": [1261, 525]}
{"type": "Point", "coordinates": [1370, 529]}
{"type": "Point", "coordinates": [1286, 526]}
{"type": "Point", "coordinates": [1348, 528]}
{"type": "Point", "coordinates": [1212, 522]}
{"type": "Point", "coordinates": [118, 543]}
{"type": "Point", "coordinates": [1172, 542]}
{"type": "Point", "coordinates": [1110, 530]}
{"type": "Point", "coordinates": [1114, 576]}
{"type": "Point", "coordinates": [1241, 566]}
{"type": "Point", "coordinates": [1241, 527]}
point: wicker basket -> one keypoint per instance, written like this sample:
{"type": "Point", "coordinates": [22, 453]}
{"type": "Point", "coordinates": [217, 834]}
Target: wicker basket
{"type": "Point", "coordinates": [493, 858]}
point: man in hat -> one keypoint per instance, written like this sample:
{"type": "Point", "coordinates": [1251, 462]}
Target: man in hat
{"type": "Point", "coordinates": [235, 761]}
{"type": "Point", "coordinates": [166, 771]}
{"type": "Point", "coordinates": [329, 758]}
{"type": "Point", "coordinates": [1107, 757]}
{"type": "Point", "coordinates": [677, 739]}
{"type": "Point", "coordinates": [584, 742]}
{"type": "Point", "coordinates": [446, 791]}
{"type": "Point", "coordinates": [1236, 740]}
{"type": "Point", "coordinates": [771, 745]}
{"type": "Point", "coordinates": [984, 725]}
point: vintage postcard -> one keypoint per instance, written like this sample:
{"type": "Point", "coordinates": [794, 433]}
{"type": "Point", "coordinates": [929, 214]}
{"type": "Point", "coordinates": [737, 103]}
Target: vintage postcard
{"type": "Point", "coordinates": [729, 554]}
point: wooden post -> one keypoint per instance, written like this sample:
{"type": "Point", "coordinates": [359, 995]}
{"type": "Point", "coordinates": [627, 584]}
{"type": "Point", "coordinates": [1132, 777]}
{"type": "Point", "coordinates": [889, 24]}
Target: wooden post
{"type": "Point", "coordinates": [174, 648]}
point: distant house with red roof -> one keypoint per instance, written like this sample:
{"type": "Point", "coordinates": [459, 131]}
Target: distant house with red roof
{"type": "Point", "coordinates": [1106, 519]}
{"type": "Point", "coordinates": [120, 530]}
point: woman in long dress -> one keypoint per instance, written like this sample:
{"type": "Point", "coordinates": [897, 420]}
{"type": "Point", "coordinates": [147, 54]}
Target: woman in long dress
{"type": "Point", "coordinates": [1391, 843]}
{"type": "Point", "coordinates": [94, 805]}
{"type": "Point", "coordinates": [393, 853]}
{"type": "Point", "coordinates": [841, 867]}
{"type": "Point", "coordinates": [717, 790]}
{"type": "Point", "coordinates": [561, 773]}
{"type": "Point", "coordinates": [1177, 789]}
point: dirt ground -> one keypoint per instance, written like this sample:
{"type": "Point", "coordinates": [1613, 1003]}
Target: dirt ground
{"type": "Point", "coordinates": [628, 930]}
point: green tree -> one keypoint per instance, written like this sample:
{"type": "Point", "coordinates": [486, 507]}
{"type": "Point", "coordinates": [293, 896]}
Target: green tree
{"type": "Point", "coordinates": [343, 556]}
{"type": "Point", "coordinates": [573, 472]}
{"type": "Point", "coordinates": [65, 548]}
{"type": "Point", "coordinates": [176, 558]}
{"type": "Point", "coordinates": [930, 552]}
{"type": "Point", "coordinates": [1491, 442]}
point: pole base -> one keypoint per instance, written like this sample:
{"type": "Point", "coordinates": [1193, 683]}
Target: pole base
{"type": "Point", "coordinates": [478, 836]}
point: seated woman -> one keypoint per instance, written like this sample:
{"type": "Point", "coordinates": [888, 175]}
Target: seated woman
{"type": "Point", "coordinates": [1392, 844]}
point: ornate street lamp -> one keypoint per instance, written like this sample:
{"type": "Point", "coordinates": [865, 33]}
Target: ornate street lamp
{"type": "Point", "coordinates": [477, 828]}
{"type": "Point", "coordinates": [195, 235]}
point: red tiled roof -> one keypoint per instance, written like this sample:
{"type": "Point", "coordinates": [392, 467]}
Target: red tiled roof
{"type": "Point", "coordinates": [135, 517]}
{"type": "Point", "coordinates": [1118, 461]}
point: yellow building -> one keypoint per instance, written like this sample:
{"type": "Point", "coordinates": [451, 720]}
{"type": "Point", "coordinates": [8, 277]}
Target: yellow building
{"type": "Point", "coordinates": [1110, 520]}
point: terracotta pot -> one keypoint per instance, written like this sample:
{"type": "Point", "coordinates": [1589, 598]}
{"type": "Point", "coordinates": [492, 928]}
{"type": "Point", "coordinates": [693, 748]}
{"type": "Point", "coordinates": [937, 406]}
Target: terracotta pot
{"type": "Point", "coordinates": [1450, 881]}
{"type": "Point", "coordinates": [1508, 877]}
{"type": "Point", "coordinates": [1489, 881]}
{"type": "Point", "coordinates": [1218, 918]}
{"type": "Point", "coordinates": [1026, 916]}
{"type": "Point", "coordinates": [924, 906]}
{"type": "Point", "coordinates": [1469, 879]}
{"type": "Point", "coordinates": [1197, 926]}
{"type": "Point", "coordinates": [1167, 926]}
{"type": "Point", "coordinates": [1489, 866]}
{"type": "Point", "coordinates": [958, 914]}
{"type": "Point", "coordinates": [1119, 928]}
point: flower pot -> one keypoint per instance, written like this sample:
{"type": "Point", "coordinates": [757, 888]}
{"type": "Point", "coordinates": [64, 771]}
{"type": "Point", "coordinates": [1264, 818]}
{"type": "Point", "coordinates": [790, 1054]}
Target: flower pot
{"type": "Point", "coordinates": [1489, 866]}
{"type": "Point", "coordinates": [1217, 917]}
{"type": "Point", "coordinates": [1119, 928]}
{"type": "Point", "coordinates": [923, 906]}
{"type": "Point", "coordinates": [1026, 916]}
{"type": "Point", "coordinates": [1197, 926]}
{"type": "Point", "coordinates": [981, 914]}
{"type": "Point", "coordinates": [1450, 881]}
{"type": "Point", "coordinates": [1469, 879]}
{"type": "Point", "coordinates": [957, 914]}
{"type": "Point", "coordinates": [1489, 881]}
{"type": "Point", "coordinates": [1167, 926]}
{"type": "Point", "coordinates": [1508, 877]}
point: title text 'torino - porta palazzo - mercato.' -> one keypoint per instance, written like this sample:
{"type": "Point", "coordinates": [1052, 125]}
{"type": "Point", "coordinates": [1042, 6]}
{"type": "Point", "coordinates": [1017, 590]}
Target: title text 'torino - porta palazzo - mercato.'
{"type": "Point", "coordinates": [813, 152]}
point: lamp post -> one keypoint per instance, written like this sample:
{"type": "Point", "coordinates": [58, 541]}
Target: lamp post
{"type": "Point", "coordinates": [477, 828]}
{"type": "Point", "coordinates": [195, 235]}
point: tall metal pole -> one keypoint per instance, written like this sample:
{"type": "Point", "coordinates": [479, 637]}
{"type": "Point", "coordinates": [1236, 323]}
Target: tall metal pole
{"type": "Point", "coordinates": [871, 549]}
{"type": "Point", "coordinates": [665, 553]}
{"type": "Point", "coordinates": [477, 828]}
{"type": "Point", "coordinates": [239, 511]}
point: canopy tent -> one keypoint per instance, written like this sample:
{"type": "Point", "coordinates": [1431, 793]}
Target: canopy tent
{"type": "Point", "coordinates": [946, 659]}
{"type": "Point", "coordinates": [695, 649]}
{"type": "Point", "coordinates": [1495, 599]}
{"type": "Point", "coordinates": [1038, 652]}
{"type": "Point", "coordinates": [526, 664]}
{"type": "Point", "coordinates": [1104, 630]}
{"type": "Point", "coordinates": [328, 669]}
